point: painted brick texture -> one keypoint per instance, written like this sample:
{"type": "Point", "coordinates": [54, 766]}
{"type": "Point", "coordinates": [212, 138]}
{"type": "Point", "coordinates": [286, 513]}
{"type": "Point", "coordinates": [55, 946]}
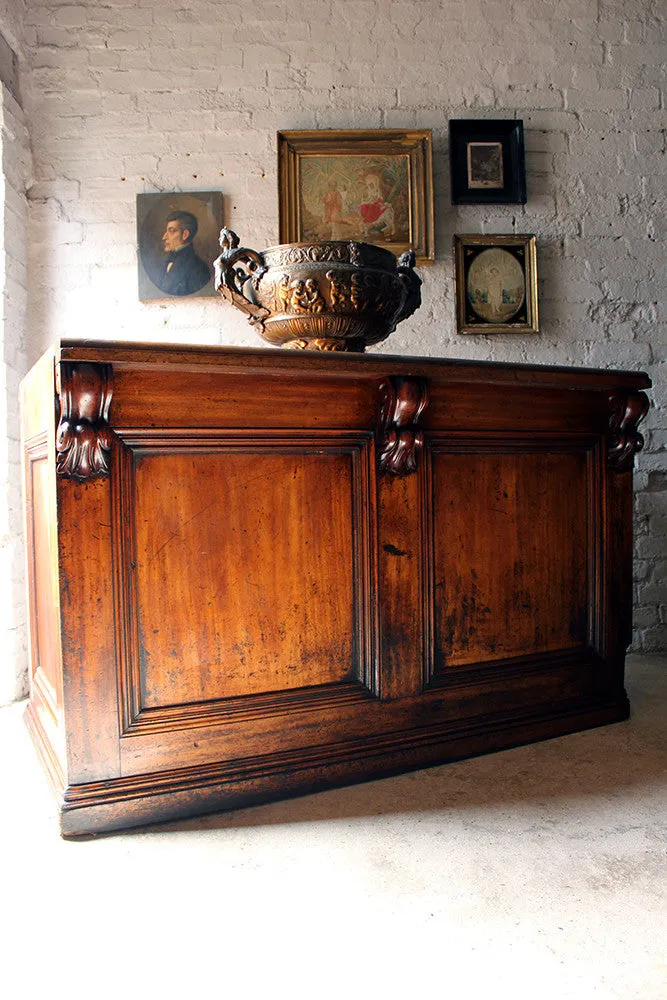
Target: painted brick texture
{"type": "Point", "coordinates": [145, 96]}
{"type": "Point", "coordinates": [15, 155]}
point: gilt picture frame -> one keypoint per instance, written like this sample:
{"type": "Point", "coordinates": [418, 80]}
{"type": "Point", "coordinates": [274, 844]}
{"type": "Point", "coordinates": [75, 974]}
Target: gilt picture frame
{"type": "Point", "coordinates": [496, 284]}
{"type": "Point", "coordinates": [178, 264]}
{"type": "Point", "coordinates": [487, 161]}
{"type": "Point", "coordinates": [373, 186]}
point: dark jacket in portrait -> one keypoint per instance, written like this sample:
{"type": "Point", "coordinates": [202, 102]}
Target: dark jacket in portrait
{"type": "Point", "coordinates": [187, 274]}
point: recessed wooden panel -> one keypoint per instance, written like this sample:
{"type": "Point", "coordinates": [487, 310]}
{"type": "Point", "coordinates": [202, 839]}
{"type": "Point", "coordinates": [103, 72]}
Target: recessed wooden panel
{"type": "Point", "coordinates": [511, 554]}
{"type": "Point", "coordinates": [225, 400]}
{"type": "Point", "coordinates": [44, 586]}
{"type": "Point", "coordinates": [237, 592]}
{"type": "Point", "coordinates": [499, 411]}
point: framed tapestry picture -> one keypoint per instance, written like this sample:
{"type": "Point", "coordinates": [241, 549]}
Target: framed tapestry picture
{"type": "Point", "coordinates": [373, 186]}
{"type": "Point", "coordinates": [177, 242]}
{"type": "Point", "coordinates": [487, 162]}
{"type": "Point", "coordinates": [496, 284]}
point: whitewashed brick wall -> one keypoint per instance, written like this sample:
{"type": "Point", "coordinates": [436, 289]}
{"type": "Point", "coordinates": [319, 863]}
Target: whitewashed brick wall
{"type": "Point", "coordinates": [12, 18]}
{"type": "Point", "coordinates": [142, 96]}
{"type": "Point", "coordinates": [14, 179]}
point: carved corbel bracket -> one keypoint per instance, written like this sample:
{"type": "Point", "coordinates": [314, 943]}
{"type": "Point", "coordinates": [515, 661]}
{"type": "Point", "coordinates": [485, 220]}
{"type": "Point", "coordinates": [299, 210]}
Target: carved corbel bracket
{"type": "Point", "coordinates": [626, 410]}
{"type": "Point", "coordinates": [83, 437]}
{"type": "Point", "coordinates": [402, 402]}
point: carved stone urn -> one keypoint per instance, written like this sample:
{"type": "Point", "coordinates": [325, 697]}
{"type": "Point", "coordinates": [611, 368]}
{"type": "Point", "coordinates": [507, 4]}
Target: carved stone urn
{"type": "Point", "coordinates": [333, 296]}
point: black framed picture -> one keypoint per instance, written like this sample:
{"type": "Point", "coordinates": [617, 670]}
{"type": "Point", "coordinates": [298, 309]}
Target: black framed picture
{"type": "Point", "coordinates": [487, 161]}
{"type": "Point", "coordinates": [177, 242]}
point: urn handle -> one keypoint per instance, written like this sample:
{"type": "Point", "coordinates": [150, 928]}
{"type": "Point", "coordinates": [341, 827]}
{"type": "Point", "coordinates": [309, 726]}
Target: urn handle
{"type": "Point", "coordinates": [233, 269]}
{"type": "Point", "coordinates": [412, 281]}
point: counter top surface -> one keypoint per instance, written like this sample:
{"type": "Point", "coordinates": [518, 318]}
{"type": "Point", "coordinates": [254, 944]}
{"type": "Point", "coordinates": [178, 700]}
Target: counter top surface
{"type": "Point", "coordinates": [128, 354]}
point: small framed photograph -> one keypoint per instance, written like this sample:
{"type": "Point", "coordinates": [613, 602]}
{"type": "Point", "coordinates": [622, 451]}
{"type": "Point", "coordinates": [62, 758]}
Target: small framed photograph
{"type": "Point", "coordinates": [487, 162]}
{"type": "Point", "coordinates": [374, 186]}
{"type": "Point", "coordinates": [496, 284]}
{"type": "Point", "coordinates": [177, 242]}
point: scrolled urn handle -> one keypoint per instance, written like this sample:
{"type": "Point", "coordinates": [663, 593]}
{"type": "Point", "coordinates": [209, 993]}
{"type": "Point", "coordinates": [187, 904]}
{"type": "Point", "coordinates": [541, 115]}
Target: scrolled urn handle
{"type": "Point", "coordinates": [233, 268]}
{"type": "Point", "coordinates": [413, 283]}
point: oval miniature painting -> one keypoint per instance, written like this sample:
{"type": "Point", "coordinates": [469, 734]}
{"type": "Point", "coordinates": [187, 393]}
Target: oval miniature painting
{"type": "Point", "coordinates": [496, 287]}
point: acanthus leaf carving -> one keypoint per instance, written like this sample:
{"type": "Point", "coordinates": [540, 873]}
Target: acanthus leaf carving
{"type": "Point", "coordinates": [83, 435]}
{"type": "Point", "coordinates": [402, 403]}
{"type": "Point", "coordinates": [626, 411]}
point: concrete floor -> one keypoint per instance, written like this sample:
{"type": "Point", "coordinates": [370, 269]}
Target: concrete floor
{"type": "Point", "coordinates": [534, 873]}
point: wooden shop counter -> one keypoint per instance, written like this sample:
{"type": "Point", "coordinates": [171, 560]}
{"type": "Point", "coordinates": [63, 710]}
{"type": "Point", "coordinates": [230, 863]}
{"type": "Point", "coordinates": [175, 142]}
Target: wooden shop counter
{"type": "Point", "coordinates": [258, 573]}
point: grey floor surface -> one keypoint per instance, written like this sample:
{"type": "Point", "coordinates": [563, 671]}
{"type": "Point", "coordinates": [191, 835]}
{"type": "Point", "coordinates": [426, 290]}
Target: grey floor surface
{"type": "Point", "coordinates": [534, 873]}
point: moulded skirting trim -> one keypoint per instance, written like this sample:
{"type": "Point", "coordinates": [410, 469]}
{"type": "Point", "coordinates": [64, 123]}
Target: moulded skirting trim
{"type": "Point", "coordinates": [124, 802]}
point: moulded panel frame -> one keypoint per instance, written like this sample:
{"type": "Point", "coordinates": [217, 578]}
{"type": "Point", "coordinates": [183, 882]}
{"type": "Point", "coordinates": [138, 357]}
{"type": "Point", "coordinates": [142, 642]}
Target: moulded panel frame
{"type": "Point", "coordinates": [46, 697]}
{"type": "Point", "coordinates": [138, 443]}
{"type": "Point", "coordinates": [593, 650]}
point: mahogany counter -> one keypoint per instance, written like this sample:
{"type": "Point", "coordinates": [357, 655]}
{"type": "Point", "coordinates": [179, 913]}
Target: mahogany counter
{"type": "Point", "coordinates": [257, 573]}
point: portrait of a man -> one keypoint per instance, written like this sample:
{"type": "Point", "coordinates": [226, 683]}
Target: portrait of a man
{"type": "Point", "coordinates": [183, 271]}
{"type": "Point", "coordinates": [177, 237]}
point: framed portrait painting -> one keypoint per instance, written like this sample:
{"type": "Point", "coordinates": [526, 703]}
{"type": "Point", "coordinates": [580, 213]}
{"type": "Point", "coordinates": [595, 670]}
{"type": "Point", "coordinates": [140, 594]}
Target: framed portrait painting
{"type": "Point", "coordinates": [487, 162]}
{"type": "Point", "coordinates": [496, 284]}
{"type": "Point", "coordinates": [373, 186]}
{"type": "Point", "coordinates": [177, 242]}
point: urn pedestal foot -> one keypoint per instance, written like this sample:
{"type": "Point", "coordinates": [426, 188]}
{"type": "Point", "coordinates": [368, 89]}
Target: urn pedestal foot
{"type": "Point", "coordinates": [326, 344]}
